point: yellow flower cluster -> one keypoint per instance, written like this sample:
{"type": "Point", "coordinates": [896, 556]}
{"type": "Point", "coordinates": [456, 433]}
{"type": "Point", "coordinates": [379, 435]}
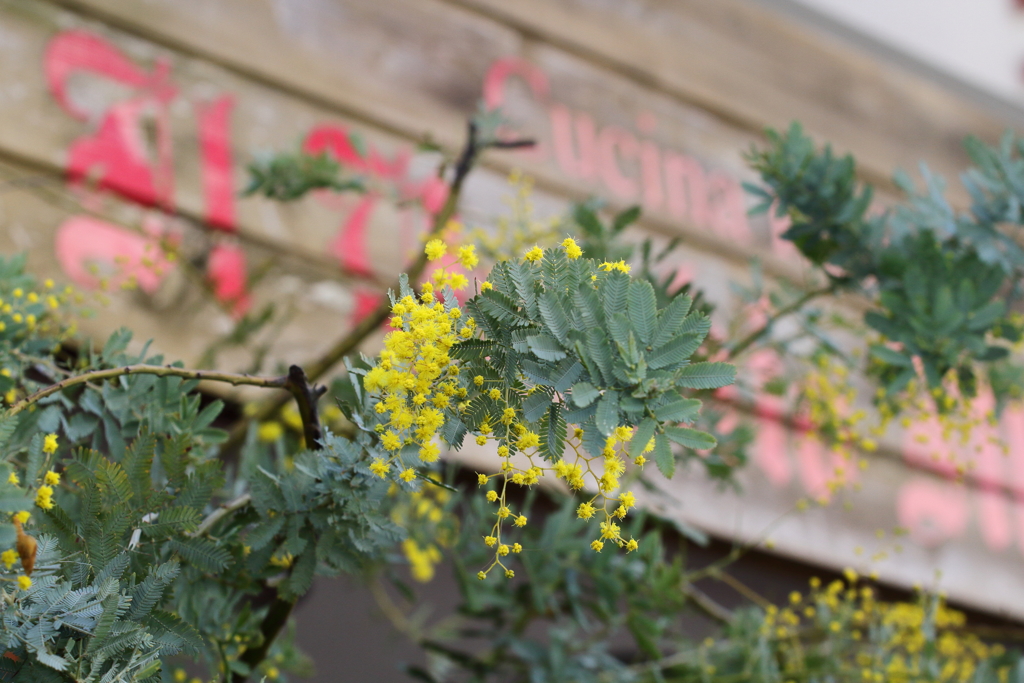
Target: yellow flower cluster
{"type": "Point", "coordinates": [415, 380]}
{"type": "Point", "coordinates": [10, 556]}
{"type": "Point", "coordinates": [283, 560]}
{"type": "Point", "coordinates": [29, 311]}
{"type": "Point", "coordinates": [602, 473]}
{"type": "Point", "coordinates": [465, 256]}
{"type": "Point", "coordinates": [572, 250]}
{"type": "Point", "coordinates": [959, 420]}
{"type": "Point", "coordinates": [421, 514]}
{"type": "Point", "coordinates": [44, 497]}
{"type": "Point", "coordinates": [611, 506]}
{"type": "Point", "coordinates": [877, 642]}
{"type": "Point", "coordinates": [415, 377]}
{"type": "Point", "coordinates": [621, 266]}
{"type": "Point", "coordinates": [422, 560]}
{"type": "Point", "coordinates": [269, 432]}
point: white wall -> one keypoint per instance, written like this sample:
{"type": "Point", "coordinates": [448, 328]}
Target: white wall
{"type": "Point", "coordinates": [980, 42]}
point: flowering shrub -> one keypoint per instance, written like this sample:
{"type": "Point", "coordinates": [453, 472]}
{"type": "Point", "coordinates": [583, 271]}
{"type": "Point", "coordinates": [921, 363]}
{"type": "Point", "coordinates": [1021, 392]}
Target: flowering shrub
{"type": "Point", "coordinates": [131, 542]}
{"type": "Point", "coordinates": [532, 360]}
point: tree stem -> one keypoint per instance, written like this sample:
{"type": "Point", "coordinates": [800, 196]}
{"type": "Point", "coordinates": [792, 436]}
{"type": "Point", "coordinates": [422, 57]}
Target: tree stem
{"type": "Point", "coordinates": [306, 395]}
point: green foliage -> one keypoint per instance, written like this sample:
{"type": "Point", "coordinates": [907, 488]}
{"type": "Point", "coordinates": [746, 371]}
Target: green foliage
{"type": "Point", "coordinates": [940, 281]}
{"type": "Point", "coordinates": [125, 575]}
{"type": "Point", "coordinates": [558, 620]}
{"type": "Point", "coordinates": [604, 241]}
{"type": "Point", "coordinates": [575, 343]}
{"type": "Point", "coordinates": [95, 625]}
{"type": "Point", "coordinates": [288, 177]}
{"type": "Point", "coordinates": [327, 509]}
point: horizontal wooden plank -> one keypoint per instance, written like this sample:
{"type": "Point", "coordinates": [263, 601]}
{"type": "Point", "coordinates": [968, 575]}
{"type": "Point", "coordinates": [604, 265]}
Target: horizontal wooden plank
{"type": "Point", "coordinates": [757, 68]}
{"type": "Point", "coordinates": [735, 59]}
{"type": "Point", "coordinates": [39, 130]}
{"type": "Point", "coordinates": [179, 315]}
{"type": "Point", "coordinates": [382, 67]}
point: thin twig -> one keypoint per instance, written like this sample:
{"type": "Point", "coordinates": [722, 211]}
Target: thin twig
{"type": "Point", "coordinates": [709, 606]}
{"type": "Point", "coordinates": [144, 369]}
{"type": "Point", "coordinates": [744, 590]}
{"type": "Point", "coordinates": [221, 512]}
{"type": "Point", "coordinates": [745, 343]}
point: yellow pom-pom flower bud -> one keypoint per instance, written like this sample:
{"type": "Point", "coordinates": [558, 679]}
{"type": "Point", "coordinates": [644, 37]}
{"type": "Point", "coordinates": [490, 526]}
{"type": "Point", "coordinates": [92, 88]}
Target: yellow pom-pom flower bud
{"type": "Point", "coordinates": [435, 249]}
{"type": "Point", "coordinates": [534, 254]}
{"type": "Point", "coordinates": [9, 557]}
{"type": "Point", "coordinates": [572, 250]}
{"type": "Point", "coordinates": [269, 432]}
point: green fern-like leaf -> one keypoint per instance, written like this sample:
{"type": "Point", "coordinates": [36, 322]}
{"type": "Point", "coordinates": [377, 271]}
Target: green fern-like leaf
{"type": "Point", "coordinates": [554, 316]}
{"type": "Point", "coordinates": [643, 310]}
{"type": "Point", "coordinates": [201, 553]}
{"type": "Point", "coordinates": [608, 412]}
{"type": "Point", "coordinates": [679, 410]}
{"type": "Point", "coordinates": [706, 375]}
{"type": "Point", "coordinates": [553, 434]}
{"type": "Point", "coordinates": [150, 591]}
{"type": "Point", "coordinates": [503, 308]}
{"type": "Point", "coordinates": [691, 438]}
{"type": "Point", "coordinates": [546, 347]}
{"type": "Point", "coordinates": [663, 456]}
{"type": "Point", "coordinates": [535, 405]}
{"type": "Point", "coordinates": [677, 351]}
{"type": "Point", "coordinates": [644, 433]}
{"type": "Point", "coordinates": [670, 319]}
